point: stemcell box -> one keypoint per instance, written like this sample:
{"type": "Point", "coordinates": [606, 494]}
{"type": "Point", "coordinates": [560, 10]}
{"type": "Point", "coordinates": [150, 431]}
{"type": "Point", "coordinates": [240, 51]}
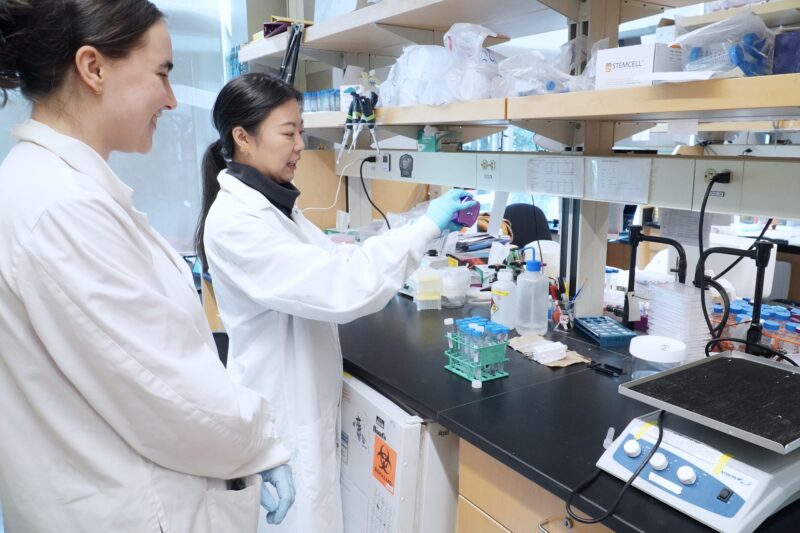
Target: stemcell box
{"type": "Point", "coordinates": [618, 67]}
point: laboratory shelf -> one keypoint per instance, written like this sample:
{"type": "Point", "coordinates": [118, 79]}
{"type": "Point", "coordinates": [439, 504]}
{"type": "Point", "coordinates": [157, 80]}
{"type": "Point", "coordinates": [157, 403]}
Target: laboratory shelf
{"type": "Point", "coordinates": [474, 112]}
{"type": "Point", "coordinates": [758, 125]}
{"type": "Point", "coordinates": [477, 112]}
{"type": "Point", "coordinates": [386, 27]}
{"type": "Point", "coordinates": [781, 13]}
{"type": "Point", "coordinates": [272, 48]}
{"type": "Point", "coordinates": [323, 119]}
{"type": "Point", "coordinates": [762, 97]}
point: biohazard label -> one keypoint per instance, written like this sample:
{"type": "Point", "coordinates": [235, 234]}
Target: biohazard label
{"type": "Point", "coordinates": [384, 464]}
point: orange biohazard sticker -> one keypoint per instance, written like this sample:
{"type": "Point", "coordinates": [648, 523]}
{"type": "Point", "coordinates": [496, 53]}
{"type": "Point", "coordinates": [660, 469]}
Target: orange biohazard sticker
{"type": "Point", "coordinates": [384, 464]}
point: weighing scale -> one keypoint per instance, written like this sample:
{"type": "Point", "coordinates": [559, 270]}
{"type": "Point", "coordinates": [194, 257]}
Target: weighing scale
{"type": "Point", "coordinates": [728, 457]}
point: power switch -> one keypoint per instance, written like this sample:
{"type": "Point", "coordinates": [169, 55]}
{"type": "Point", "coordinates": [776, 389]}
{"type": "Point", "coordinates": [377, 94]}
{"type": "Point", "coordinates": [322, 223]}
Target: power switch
{"type": "Point", "coordinates": [725, 495]}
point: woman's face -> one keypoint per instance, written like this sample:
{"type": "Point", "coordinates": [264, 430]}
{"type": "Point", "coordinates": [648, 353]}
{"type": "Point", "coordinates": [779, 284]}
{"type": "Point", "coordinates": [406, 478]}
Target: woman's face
{"type": "Point", "coordinates": [276, 148]}
{"type": "Point", "coordinates": [136, 90]}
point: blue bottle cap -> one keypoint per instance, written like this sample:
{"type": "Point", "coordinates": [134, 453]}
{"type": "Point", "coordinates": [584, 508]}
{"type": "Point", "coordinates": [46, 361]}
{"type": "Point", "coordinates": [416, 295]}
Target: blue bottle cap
{"type": "Point", "coordinates": [533, 266]}
{"type": "Point", "coordinates": [718, 308]}
{"type": "Point", "coordinates": [771, 325]}
{"type": "Point", "coordinates": [783, 315]}
{"type": "Point", "coordinates": [791, 327]}
{"type": "Point", "coordinates": [795, 311]}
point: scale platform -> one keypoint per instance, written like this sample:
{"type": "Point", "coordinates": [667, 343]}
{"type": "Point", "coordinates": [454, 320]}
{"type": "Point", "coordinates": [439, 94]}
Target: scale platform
{"type": "Point", "coordinates": [751, 398]}
{"type": "Point", "coordinates": [726, 458]}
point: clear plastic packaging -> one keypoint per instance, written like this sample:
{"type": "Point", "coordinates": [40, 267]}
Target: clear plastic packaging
{"type": "Point", "coordinates": [455, 283]}
{"type": "Point", "coordinates": [462, 69]}
{"type": "Point", "coordinates": [530, 73]}
{"type": "Point", "coordinates": [742, 41]}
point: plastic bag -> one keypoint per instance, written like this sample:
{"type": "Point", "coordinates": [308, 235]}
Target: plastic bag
{"type": "Point", "coordinates": [742, 41]}
{"type": "Point", "coordinates": [530, 73]}
{"type": "Point", "coordinates": [417, 77]}
{"type": "Point", "coordinates": [475, 66]}
{"type": "Point", "coordinates": [436, 75]}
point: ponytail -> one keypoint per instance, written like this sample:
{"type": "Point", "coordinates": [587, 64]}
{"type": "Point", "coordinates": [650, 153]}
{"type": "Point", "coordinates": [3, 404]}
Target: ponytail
{"type": "Point", "coordinates": [213, 164]}
{"type": "Point", "coordinates": [245, 101]}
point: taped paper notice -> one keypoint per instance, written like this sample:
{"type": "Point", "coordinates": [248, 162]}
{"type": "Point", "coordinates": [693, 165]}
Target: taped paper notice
{"type": "Point", "coordinates": [555, 176]}
{"type": "Point", "coordinates": [621, 180]}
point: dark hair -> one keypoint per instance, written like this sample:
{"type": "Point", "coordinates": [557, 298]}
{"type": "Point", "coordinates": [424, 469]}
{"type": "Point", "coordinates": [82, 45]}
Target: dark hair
{"type": "Point", "coordinates": [39, 38]}
{"type": "Point", "coordinates": [244, 101]}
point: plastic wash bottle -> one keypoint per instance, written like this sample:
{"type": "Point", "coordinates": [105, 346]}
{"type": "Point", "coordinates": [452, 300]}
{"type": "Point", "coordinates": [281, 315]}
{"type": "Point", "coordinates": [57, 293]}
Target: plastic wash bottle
{"type": "Point", "coordinates": [532, 292]}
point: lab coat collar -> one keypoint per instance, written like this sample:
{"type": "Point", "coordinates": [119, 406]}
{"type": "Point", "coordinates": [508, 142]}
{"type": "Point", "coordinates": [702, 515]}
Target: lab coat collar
{"type": "Point", "coordinates": [281, 195]}
{"type": "Point", "coordinates": [78, 155]}
{"type": "Point", "coordinates": [245, 194]}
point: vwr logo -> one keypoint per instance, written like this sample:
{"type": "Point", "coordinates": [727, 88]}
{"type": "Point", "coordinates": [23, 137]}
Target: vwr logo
{"type": "Point", "coordinates": [734, 477]}
{"type": "Point", "coordinates": [610, 67]}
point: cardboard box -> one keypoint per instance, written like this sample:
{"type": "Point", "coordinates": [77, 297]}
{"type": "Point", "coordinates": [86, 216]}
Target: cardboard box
{"type": "Point", "coordinates": [618, 67]}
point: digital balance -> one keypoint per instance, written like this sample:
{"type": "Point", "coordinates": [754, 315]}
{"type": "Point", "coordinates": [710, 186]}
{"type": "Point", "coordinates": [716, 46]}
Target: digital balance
{"type": "Point", "coordinates": [728, 453]}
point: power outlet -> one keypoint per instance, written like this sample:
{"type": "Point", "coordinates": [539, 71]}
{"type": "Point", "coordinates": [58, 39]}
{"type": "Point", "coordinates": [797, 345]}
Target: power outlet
{"type": "Point", "coordinates": [488, 170]}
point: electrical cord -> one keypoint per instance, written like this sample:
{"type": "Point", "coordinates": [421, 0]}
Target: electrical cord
{"type": "Point", "coordinates": [539, 237]}
{"type": "Point", "coordinates": [726, 306]}
{"type": "Point", "coordinates": [371, 159]}
{"type": "Point", "coordinates": [702, 276]}
{"type": "Point", "coordinates": [738, 259]}
{"type": "Point", "coordinates": [588, 481]}
{"type": "Point", "coordinates": [338, 188]}
{"type": "Point", "coordinates": [774, 352]}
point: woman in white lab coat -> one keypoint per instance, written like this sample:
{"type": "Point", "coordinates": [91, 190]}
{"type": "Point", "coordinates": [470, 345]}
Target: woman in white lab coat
{"type": "Point", "coordinates": [117, 415]}
{"type": "Point", "coordinates": [282, 285]}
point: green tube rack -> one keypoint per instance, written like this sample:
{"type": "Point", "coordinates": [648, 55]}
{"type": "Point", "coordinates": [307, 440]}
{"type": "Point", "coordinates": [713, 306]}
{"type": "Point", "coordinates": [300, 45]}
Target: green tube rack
{"type": "Point", "coordinates": [490, 364]}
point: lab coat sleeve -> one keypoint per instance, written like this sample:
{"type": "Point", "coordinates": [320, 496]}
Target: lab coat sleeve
{"type": "Point", "coordinates": [333, 283]}
{"type": "Point", "coordinates": [141, 361]}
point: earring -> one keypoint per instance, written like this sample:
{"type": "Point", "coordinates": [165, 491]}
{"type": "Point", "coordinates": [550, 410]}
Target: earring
{"type": "Point", "coordinates": [245, 150]}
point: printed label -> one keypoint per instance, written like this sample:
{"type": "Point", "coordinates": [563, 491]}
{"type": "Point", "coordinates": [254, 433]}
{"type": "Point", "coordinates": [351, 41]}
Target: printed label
{"type": "Point", "coordinates": [384, 464]}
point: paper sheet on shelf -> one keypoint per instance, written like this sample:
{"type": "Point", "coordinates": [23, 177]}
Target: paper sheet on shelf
{"type": "Point", "coordinates": [558, 176]}
{"type": "Point", "coordinates": [625, 180]}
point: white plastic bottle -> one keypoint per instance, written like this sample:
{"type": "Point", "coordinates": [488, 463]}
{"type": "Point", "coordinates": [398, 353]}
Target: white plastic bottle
{"type": "Point", "coordinates": [532, 292]}
{"type": "Point", "coordinates": [504, 299]}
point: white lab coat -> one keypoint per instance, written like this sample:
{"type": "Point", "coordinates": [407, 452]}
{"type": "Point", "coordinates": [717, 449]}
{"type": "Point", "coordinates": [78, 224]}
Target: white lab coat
{"type": "Point", "coordinates": [116, 413]}
{"type": "Point", "coordinates": [282, 286]}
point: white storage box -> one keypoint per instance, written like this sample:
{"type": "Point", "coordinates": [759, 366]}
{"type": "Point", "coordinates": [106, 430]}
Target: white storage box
{"type": "Point", "coordinates": [618, 67]}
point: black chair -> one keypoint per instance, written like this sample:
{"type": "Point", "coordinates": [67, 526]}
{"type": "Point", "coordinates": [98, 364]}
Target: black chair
{"type": "Point", "coordinates": [528, 223]}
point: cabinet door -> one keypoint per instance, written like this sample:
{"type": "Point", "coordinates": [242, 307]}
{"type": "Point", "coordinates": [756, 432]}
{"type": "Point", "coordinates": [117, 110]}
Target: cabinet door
{"type": "Point", "coordinates": [473, 520]}
{"type": "Point", "coordinates": [509, 498]}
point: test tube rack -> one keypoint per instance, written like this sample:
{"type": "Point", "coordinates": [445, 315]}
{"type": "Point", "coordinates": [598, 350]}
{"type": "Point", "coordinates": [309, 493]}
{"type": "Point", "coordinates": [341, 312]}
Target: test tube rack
{"type": "Point", "coordinates": [491, 360]}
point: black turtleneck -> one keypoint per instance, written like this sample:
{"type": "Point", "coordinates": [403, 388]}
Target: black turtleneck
{"type": "Point", "coordinates": [281, 195]}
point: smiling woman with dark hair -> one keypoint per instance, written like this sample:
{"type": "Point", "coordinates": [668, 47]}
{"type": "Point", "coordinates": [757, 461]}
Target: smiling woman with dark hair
{"type": "Point", "coordinates": [117, 414]}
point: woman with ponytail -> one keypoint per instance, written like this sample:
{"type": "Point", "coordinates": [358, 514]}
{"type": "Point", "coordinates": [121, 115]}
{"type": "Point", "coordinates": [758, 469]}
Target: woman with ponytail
{"type": "Point", "coordinates": [282, 286]}
{"type": "Point", "coordinates": [117, 414]}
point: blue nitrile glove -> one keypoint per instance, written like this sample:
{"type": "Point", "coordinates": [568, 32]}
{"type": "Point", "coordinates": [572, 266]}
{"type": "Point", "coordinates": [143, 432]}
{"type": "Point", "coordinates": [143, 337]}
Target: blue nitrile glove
{"type": "Point", "coordinates": [442, 209]}
{"type": "Point", "coordinates": [279, 477]}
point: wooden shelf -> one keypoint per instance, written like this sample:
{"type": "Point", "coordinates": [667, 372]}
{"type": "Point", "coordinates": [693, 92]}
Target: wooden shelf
{"type": "Point", "coordinates": [781, 13]}
{"type": "Point", "coordinates": [763, 126]}
{"type": "Point", "coordinates": [480, 112]}
{"type": "Point", "coordinates": [386, 27]}
{"type": "Point", "coordinates": [323, 119]}
{"type": "Point", "coordinates": [764, 97]}
{"type": "Point", "coordinates": [274, 47]}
